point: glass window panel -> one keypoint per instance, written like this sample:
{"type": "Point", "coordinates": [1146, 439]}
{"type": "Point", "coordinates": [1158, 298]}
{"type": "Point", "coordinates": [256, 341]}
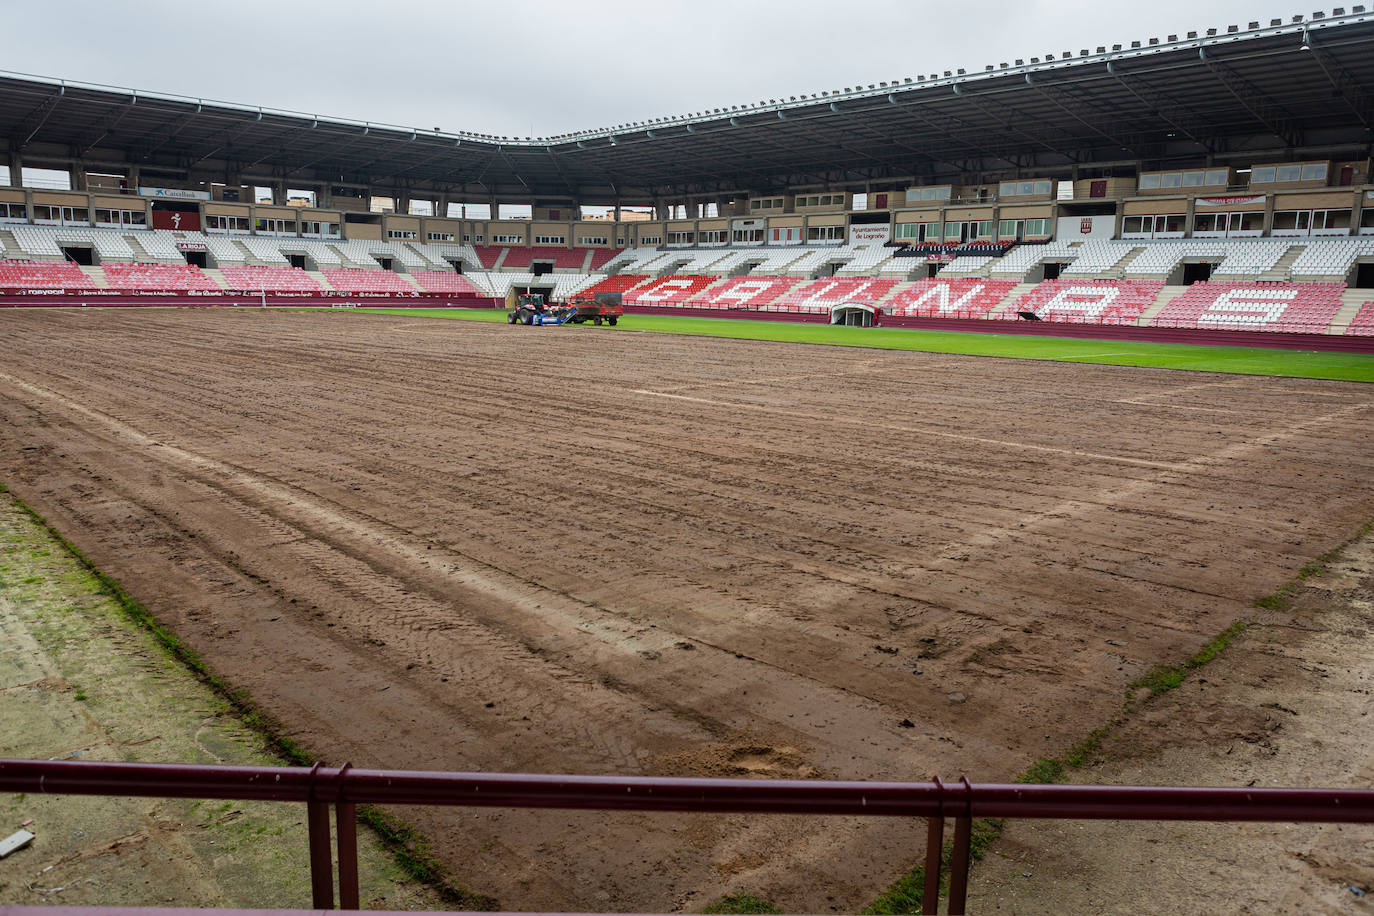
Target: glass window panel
{"type": "Point", "coordinates": [1149, 182]}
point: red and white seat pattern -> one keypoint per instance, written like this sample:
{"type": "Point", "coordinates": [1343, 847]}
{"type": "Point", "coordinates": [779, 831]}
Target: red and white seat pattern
{"type": "Point", "coordinates": [1089, 301]}
{"type": "Point", "coordinates": [619, 283]}
{"type": "Point", "coordinates": [669, 291]}
{"type": "Point", "coordinates": [516, 258]}
{"type": "Point", "coordinates": [741, 292]}
{"type": "Point", "coordinates": [445, 281]}
{"type": "Point", "coordinates": [602, 256]}
{"type": "Point", "coordinates": [486, 255]}
{"type": "Point", "coordinates": [1297, 307]}
{"type": "Point", "coordinates": [159, 277]}
{"type": "Point", "coordinates": [819, 296]}
{"type": "Point", "coordinates": [1363, 322]}
{"type": "Point", "coordinates": [353, 280]}
{"type": "Point", "coordinates": [570, 258]}
{"type": "Point", "coordinates": [253, 279]}
{"type": "Point", "coordinates": [958, 298]}
{"type": "Point", "coordinates": [43, 275]}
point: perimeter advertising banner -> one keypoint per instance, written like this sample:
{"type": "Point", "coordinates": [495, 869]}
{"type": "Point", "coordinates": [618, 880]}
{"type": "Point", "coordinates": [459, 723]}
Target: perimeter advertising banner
{"type": "Point", "coordinates": [174, 193]}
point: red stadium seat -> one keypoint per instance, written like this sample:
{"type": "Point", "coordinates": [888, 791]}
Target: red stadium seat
{"type": "Point", "coordinates": [1090, 301]}
{"type": "Point", "coordinates": [159, 278]}
{"type": "Point", "coordinates": [961, 298]}
{"type": "Point", "coordinates": [669, 291]}
{"type": "Point", "coordinates": [1293, 307]}
{"type": "Point", "coordinates": [620, 283]}
{"type": "Point", "coordinates": [601, 255]}
{"type": "Point", "coordinates": [269, 279]}
{"type": "Point", "coordinates": [487, 255]}
{"type": "Point", "coordinates": [819, 296]}
{"type": "Point", "coordinates": [445, 281]}
{"type": "Point", "coordinates": [354, 280]}
{"type": "Point", "coordinates": [1363, 322]}
{"type": "Point", "coordinates": [19, 275]}
{"type": "Point", "coordinates": [741, 292]}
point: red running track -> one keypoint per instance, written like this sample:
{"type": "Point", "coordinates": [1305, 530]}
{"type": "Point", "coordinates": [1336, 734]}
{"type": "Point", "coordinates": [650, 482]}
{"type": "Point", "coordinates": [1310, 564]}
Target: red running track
{"type": "Point", "coordinates": [1283, 341]}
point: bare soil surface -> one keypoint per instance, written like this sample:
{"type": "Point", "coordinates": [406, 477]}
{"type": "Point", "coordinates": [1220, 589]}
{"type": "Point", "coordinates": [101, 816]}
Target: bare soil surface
{"type": "Point", "coordinates": [455, 545]}
{"type": "Point", "coordinates": [1287, 704]}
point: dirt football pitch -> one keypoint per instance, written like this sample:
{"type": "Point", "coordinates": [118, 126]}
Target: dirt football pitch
{"type": "Point", "coordinates": [456, 545]}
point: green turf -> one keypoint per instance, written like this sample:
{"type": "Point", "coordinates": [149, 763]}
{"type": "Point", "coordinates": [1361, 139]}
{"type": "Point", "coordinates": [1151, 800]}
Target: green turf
{"type": "Point", "coordinates": [1355, 367]}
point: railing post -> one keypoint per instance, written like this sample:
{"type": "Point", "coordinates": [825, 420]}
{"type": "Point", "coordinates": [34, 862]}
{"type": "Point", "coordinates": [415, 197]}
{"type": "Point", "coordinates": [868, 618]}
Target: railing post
{"type": "Point", "coordinates": [935, 847]}
{"type": "Point", "coordinates": [959, 861]}
{"type": "Point", "coordinates": [346, 822]}
{"type": "Point", "coordinates": [321, 866]}
{"type": "Point", "coordinates": [958, 866]}
{"type": "Point", "coordinates": [346, 825]}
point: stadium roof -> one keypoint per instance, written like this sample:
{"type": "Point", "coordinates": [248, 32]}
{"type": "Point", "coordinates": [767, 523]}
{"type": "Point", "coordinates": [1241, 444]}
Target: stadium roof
{"type": "Point", "coordinates": [1301, 88]}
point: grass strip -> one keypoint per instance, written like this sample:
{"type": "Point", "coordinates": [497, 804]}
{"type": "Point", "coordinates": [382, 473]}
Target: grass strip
{"type": "Point", "coordinates": [741, 903]}
{"type": "Point", "coordinates": [1313, 364]}
{"type": "Point", "coordinates": [410, 851]}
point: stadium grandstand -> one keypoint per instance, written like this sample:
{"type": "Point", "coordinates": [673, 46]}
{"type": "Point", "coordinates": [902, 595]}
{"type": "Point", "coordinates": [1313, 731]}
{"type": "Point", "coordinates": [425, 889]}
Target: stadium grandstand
{"type": "Point", "coordinates": [705, 577]}
{"type": "Point", "coordinates": [1092, 185]}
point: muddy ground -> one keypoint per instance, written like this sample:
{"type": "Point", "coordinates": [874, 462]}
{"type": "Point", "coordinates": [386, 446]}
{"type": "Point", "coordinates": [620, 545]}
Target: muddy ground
{"type": "Point", "coordinates": [469, 546]}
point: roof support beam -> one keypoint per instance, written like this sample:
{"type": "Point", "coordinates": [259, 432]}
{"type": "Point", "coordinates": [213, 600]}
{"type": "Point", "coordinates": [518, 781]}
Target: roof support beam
{"type": "Point", "coordinates": [1058, 97]}
{"type": "Point", "coordinates": [33, 122]}
{"type": "Point", "coordinates": [1011, 120]}
{"type": "Point", "coordinates": [102, 130]}
{"type": "Point", "coordinates": [1160, 105]}
{"type": "Point", "coordinates": [164, 136]}
{"type": "Point", "coordinates": [299, 136]}
{"type": "Point", "coordinates": [224, 143]}
{"type": "Point", "coordinates": [1345, 85]}
{"type": "Point", "coordinates": [1252, 99]}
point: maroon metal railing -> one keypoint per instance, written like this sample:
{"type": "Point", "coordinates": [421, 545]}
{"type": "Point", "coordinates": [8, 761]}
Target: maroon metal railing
{"type": "Point", "coordinates": [344, 788]}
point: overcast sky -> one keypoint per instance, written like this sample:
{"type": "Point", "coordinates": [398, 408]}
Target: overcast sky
{"type": "Point", "coordinates": [522, 67]}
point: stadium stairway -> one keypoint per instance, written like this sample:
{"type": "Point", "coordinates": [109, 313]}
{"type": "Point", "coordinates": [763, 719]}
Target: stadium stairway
{"type": "Point", "coordinates": [97, 275]}
{"type": "Point", "coordinates": [322, 280]}
{"type": "Point", "coordinates": [216, 275]}
{"type": "Point", "coordinates": [141, 254]}
{"type": "Point", "coordinates": [9, 246]}
{"type": "Point", "coordinates": [1118, 270]}
{"type": "Point", "coordinates": [1281, 271]}
{"type": "Point", "coordinates": [1351, 300]}
{"type": "Point", "coordinates": [1166, 295]}
{"type": "Point", "coordinates": [1007, 307]}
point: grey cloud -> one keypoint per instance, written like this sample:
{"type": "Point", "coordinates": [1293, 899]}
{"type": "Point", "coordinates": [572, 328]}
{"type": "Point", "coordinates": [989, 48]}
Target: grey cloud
{"type": "Point", "coordinates": [518, 67]}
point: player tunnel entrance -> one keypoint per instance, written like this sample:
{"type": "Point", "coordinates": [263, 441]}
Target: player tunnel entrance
{"type": "Point", "coordinates": [854, 315]}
